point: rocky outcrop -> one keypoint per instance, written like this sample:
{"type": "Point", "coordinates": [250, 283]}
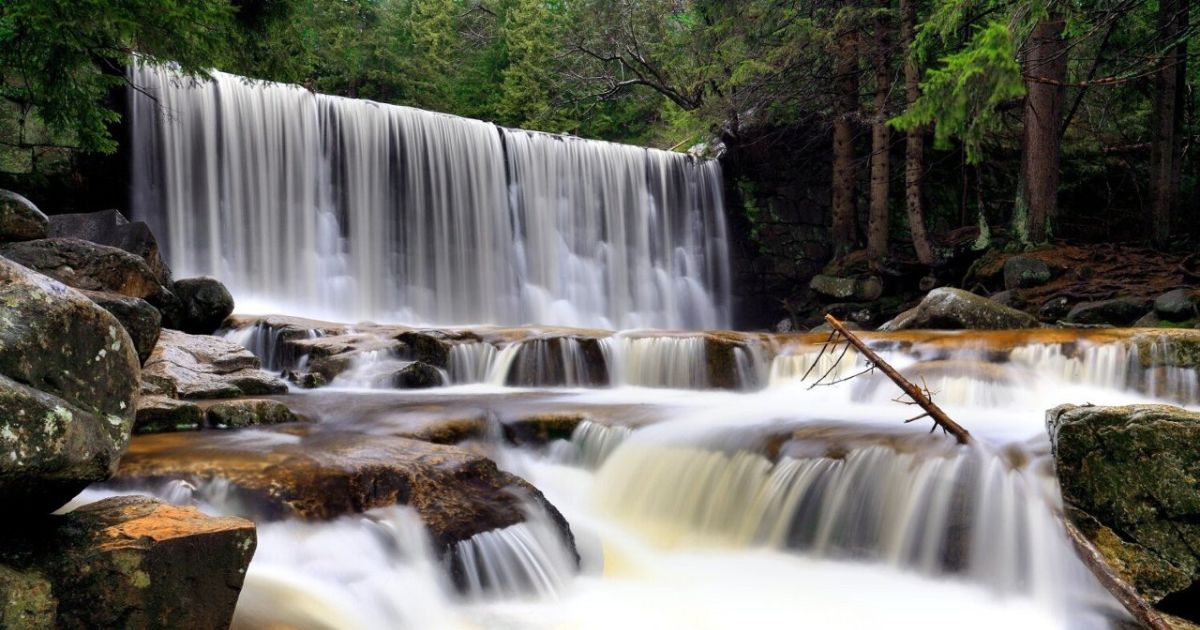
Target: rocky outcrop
{"type": "Point", "coordinates": [84, 265]}
{"type": "Point", "coordinates": [206, 304]}
{"type": "Point", "coordinates": [141, 320]}
{"type": "Point", "coordinates": [1115, 312]}
{"type": "Point", "coordinates": [236, 414]}
{"type": "Point", "coordinates": [160, 414]}
{"type": "Point", "coordinates": [862, 288]}
{"type": "Point", "coordinates": [124, 562]}
{"type": "Point", "coordinates": [1178, 305]}
{"type": "Point", "coordinates": [110, 227]}
{"type": "Point", "coordinates": [68, 388]}
{"type": "Point", "coordinates": [20, 220]}
{"type": "Point", "coordinates": [954, 309]}
{"type": "Point", "coordinates": [313, 474]}
{"type": "Point", "coordinates": [199, 366]}
{"type": "Point", "coordinates": [1128, 478]}
{"type": "Point", "coordinates": [1021, 272]}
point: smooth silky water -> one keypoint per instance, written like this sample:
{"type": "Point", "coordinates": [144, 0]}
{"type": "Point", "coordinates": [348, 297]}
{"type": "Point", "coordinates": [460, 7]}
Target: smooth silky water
{"type": "Point", "coordinates": [766, 502]}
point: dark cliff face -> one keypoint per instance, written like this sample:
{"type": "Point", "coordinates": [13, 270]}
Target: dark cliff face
{"type": "Point", "coordinates": [777, 191]}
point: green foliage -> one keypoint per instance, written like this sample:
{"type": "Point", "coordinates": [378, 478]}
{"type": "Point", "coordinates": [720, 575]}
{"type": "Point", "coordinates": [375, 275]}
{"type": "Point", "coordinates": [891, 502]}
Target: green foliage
{"type": "Point", "coordinates": [60, 58]}
{"type": "Point", "coordinates": [961, 97]}
{"type": "Point", "coordinates": [526, 98]}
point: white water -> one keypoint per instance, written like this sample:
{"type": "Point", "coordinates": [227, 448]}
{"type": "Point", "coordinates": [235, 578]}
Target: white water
{"type": "Point", "coordinates": [329, 207]}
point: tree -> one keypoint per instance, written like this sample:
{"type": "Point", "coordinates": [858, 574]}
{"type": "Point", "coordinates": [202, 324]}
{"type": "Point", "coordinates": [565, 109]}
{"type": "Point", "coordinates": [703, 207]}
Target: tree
{"type": "Point", "coordinates": [1045, 72]}
{"type": "Point", "coordinates": [881, 138]}
{"type": "Point", "coordinates": [60, 58]}
{"type": "Point", "coordinates": [845, 87]}
{"type": "Point", "coordinates": [527, 92]}
{"type": "Point", "coordinates": [1167, 118]}
{"type": "Point", "coordinates": [914, 137]}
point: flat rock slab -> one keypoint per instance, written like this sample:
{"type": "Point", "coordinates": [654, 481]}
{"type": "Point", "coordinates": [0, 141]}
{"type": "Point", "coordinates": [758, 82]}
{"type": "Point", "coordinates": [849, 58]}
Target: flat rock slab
{"type": "Point", "coordinates": [298, 471]}
{"type": "Point", "coordinates": [124, 562]}
{"type": "Point", "coordinates": [200, 366]}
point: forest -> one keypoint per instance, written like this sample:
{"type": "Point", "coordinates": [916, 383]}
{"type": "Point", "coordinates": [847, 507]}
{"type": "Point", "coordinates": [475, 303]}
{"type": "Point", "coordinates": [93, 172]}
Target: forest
{"type": "Point", "coordinates": [1035, 119]}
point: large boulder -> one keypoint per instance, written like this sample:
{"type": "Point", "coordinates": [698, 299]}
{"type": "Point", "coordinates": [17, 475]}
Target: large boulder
{"type": "Point", "coordinates": [313, 474]}
{"type": "Point", "coordinates": [68, 388]}
{"type": "Point", "coordinates": [946, 308]}
{"type": "Point", "coordinates": [20, 220]}
{"type": "Point", "coordinates": [1121, 311]}
{"type": "Point", "coordinates": [248, 412]}
{"type": "Point", "coordinates": [863, 288]}
{"type": "Point", "coordinates": [199, 366]}
{"type": "Point", "coordinates": [1178, 305]}
{"type": "Point", "coordinates": [85, 265]}
{"type": "Point", "coordinates": [110, 227]}
{"type": "Point", "coordinates": [1128, 478]}
{"type": "Point", "coordinates": [206, 304]}
{"type": "Point", "coordinates": [159, 414]}
{"type": "Point", "coordinates": [124, 562]}
{"type": "Point", "coordinates": [1021, 272]}
{"type": "Point", "coordinates": [141, 320]}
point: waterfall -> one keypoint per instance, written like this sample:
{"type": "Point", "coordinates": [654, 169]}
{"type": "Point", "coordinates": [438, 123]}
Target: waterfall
{"type": "Point", "coordinates": [348, 209]}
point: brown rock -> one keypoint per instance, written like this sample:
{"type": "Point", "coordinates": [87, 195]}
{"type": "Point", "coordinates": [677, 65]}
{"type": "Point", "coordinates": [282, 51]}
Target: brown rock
{"type": "Point", "coordinates": [198, 366]}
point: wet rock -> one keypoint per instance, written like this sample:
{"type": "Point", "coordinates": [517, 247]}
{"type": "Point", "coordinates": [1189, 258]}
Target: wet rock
{"type": "Point", "coordinates": [1178, 305]}
{"type": "Point", "coordinates": [68, 385]}
{"type": "Point", "coordinates": [141, 320]}
{"type": "Point", "coordinates": [110, 227]}
{"type": "Point", "coordinates": [199, 366]}
{"type": "Point", "coordinates": [416, 375]}
{"type": "Point", "coordinates": [541, 429]}
{"type": "Point", "coordinates": [864, 288]}
{"type": "Point", "coordinates": [1054, 309]}
{"type": "Point", "coordinates": [946, 308]}
{"type": "Point", "coordinates": [20, 220]}
{"type": "Point", "coordinates": [160, 414]}
{"type": "Point", "coordinates": [313, 474]}
{"type": "Point", "coordinates": [1149, 320]}
{"type": "Point", "coordinates": [1128, 476]}
{"type": "Point", "coordinates": [1022, 272]}
{"type": "Point", "coordinates": [85, 265]}
{"type": "Point", "coordinates": [236, 414]}
{"type": "Point", "coordinates": [549, 361]}
{"type": "Point", "coordinates": [26, 600]}
{"type": "Point", "coordinates": [1116, 312]}
{"type": "Point", "coordinates": [1008, 298]}
{"type": "Point", "coordinates": [305, 380]}
{"type": "Point", "coordinates": [206, 303]}
{"type": "Point", "coordinates": [128, 562]}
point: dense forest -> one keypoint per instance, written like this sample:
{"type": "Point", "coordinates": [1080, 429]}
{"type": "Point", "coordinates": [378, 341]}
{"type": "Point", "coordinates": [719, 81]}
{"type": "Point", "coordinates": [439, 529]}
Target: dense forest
{"type": "Point", "coordinates": [1027, 120]}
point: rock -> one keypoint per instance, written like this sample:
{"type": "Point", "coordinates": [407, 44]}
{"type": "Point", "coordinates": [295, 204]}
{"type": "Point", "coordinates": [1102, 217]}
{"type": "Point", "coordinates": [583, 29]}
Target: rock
{"type": "Point", "coordinates": [314, 474]}
{"type": "Point", "coordinates": [26, 600]}
{"type": "Point", "coordinates": [128, 562]}
{"type": "Point", "coordinates": [141, 320]}
{"type": "Point", "coordinates": [541, 429]}
{"type": "Point", "coordinates": [206, 304]}
{"type": "Point", "coordinates": [305, 380]}
{"type": "Point", "coordinates": [864, 288]}
{"type": "Point", "coordinates": [1178, 305]}
{"type": "Point", "coordinates": [160, 414]}
{"type": "Point", "coordinates": [1128, 475]}
{"type": "Point", "coordinates": [68, 387]}
{"type": "Point", "coordinates": [416, 375]}
{"type": "Point", "coordinates": [1149, 320]}
{"type": "Point", "coordinates": [199, 366]}
{"type": "Point", "coordinates": [1008, 298]}
{"type": "Point", "coordinates": [1054, 309]}
{"type": "Point", "coordinates": [20, 220]}
{"type": "Point", "coordinates": [85, 265]}
{"type": "Point", "coordinates": [946, 308]}
{"type": "Point", "coordinates": [1021, 272]}
{"type": "Point", "coordinates": [785, 326]}
{"type": "Point", "coordinates": [236, 414]}
{"type": "Point", "coordinates": [1115, 312]}
{"type": "Point", "coordinates": [110, 227]}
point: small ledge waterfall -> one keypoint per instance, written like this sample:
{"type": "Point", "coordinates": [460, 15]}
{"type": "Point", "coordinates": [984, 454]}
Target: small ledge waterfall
{"type": "Point", "coordinates": [347, 209]}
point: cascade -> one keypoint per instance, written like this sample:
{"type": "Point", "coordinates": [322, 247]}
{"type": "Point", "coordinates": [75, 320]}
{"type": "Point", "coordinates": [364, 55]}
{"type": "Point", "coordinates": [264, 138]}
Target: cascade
{"type": "Point", "coordinates": [347, 209]}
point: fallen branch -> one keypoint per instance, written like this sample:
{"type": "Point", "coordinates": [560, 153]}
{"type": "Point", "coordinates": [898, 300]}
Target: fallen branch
{"type": "Point", "coordinates": [914, 392]}
{"type": "Point", "coordinates": [1142, 611]}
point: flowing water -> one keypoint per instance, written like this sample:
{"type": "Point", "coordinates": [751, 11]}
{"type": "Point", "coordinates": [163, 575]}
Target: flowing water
{"type": "Point", "coordinates": [709, 481]}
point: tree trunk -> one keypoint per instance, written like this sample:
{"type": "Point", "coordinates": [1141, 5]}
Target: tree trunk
{"type": "Point", "coordinates": [1045, 71]}
{"type": "Point", "coordinates": [1165, 152]}
{"type": "Point", "coordinates": [914, 142]}
{"type": "Point", "coordinates": [845, 86]}
{"type": "Point", "coordinates": [881, 139]}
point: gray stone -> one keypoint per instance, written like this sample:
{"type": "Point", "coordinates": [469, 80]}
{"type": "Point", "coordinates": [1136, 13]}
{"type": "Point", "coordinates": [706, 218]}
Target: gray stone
{"type": "Point", "coordinates": [160, 414]}
{"type": "Point", "coordinates": [141, 320]}
{"type": "Point", "coordinates": [1021, 272]}
{"type": "Point", "coordinates": [1178, 305]}
{"type": "Point", "coordinates": [416, 375]}
{"type": "Point", "coordinates": [206, 304]}
{"type": "Point", "coordinates": [1128, 476]}
{"type": "Point", "coordinates": [110, 227]}
{"type": "Point", "coordinates": [20, 220]}
{"type": "Point", "coordinates": [946, 308]}
{"type": "Point", "coordinates": [236, 414]}
{"type": "Point", "coordinates": [1054, 309]}
{"type": "Point", "coordinates": [199, 366]}
{"type": "Point", "coordinates": [68, 387]}
{"type": "Point", "coordinates": [86, 265]}
{"type": "Point", "coordinates": [864, 288]}
{"type": "Point", "coordinates": [1121, 311]}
